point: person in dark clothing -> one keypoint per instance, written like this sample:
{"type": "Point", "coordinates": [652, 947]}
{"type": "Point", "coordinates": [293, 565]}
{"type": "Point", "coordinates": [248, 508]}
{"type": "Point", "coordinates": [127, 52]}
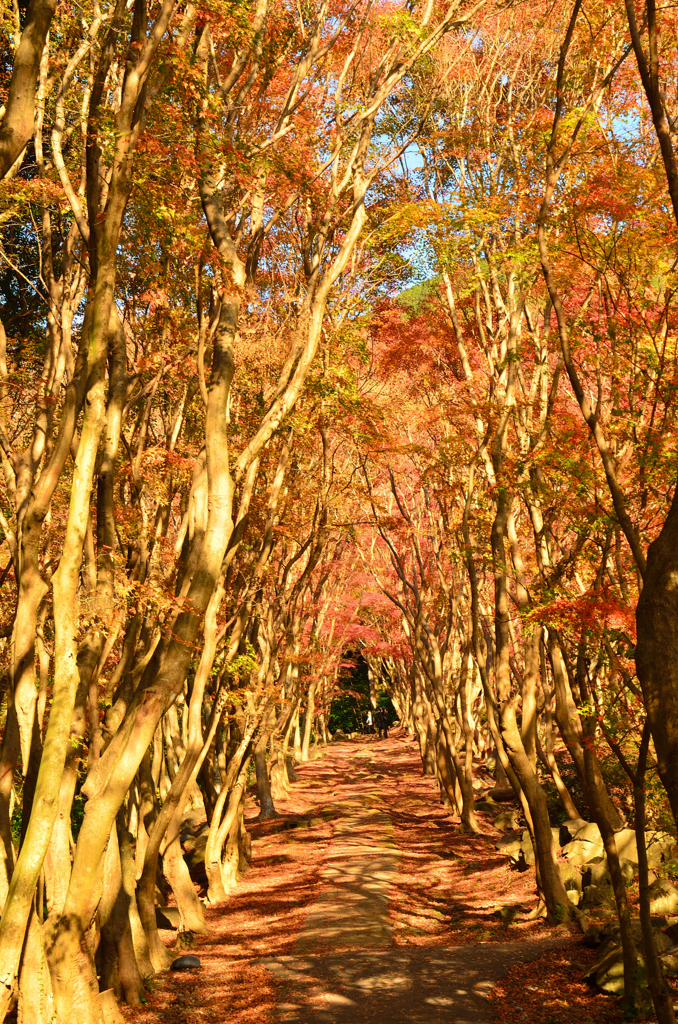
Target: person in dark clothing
{"type": "Point", "coordinates": [381, 721]}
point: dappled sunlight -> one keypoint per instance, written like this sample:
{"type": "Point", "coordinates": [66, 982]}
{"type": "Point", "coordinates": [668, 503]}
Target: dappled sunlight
{"type": "Point", "coordinates": [364, 902]}
{"type": "Point", "coordinates": [405, 985]}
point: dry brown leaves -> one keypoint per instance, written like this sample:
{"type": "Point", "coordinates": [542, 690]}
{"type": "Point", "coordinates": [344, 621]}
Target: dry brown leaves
{"type": "Point", "coordinates": [551, 991]}
{"type": "Point", "coordinates": [452, 889]}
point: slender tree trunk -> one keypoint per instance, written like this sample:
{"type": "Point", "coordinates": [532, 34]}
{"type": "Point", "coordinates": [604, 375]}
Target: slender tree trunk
{"type": "Point", "coordinates": [661, 994]}
{"type": "Point", "coordinates": [548, 756]}
{"type": "Point", "coordinates": [308, 720]}
{"type": "Point", "coordinates": [221, 880]}
{"type": "Point", "coordinates": [142, 954]}
{"type": "Point", "coordinates": [558, 906]}
{"type": "Point", "coordinates": [224, 814]}
{"type": "Point", "coordinates": [420, 719]}
{"type": "Point", "coordinates": [169, 818]}
{"type": "Point", "coordinates": [548, 759]}
{"type": "Point", "coordinates": [65, 584]}
{"type": "Point", "coordinates": [36, 1001]}
{"type": "Point", "coordinates": [581, 744]}
{"type": "Point", "coordinates": [119, 968]}
{"type": "Point", "coordinates": [467, 724]}
{"type": "Point", "coordinates": [594, 786]}
{"type": "Point", "coordinates": [569, 723]}
{"type": "Point", "coordinates": [266, 805]}
{"type": "Point", "coordinates": [528, 725]}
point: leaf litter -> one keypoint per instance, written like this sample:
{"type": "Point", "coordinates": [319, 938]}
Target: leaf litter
{"type": "Point", "coordinates": [452, 889]}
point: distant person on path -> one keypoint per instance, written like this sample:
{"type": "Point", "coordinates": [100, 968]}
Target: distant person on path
{"type": "Point", "coordinates": [381, 719]}
{"type": "Point", "coordinates": [369, 725]}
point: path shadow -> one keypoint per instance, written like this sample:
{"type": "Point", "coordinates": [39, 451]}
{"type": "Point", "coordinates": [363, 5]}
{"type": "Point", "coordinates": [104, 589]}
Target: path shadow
{"type": "Point", "coordinates": [396, 986]}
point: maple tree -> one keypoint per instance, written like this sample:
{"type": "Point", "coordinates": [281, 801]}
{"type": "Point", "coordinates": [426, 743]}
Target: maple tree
{"type": "Point", "coordinates": [239, 453]}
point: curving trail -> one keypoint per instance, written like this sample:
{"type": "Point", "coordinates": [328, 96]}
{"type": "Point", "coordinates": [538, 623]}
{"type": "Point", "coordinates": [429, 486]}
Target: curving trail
{"type": "Point", "coordinates": [364, 903]}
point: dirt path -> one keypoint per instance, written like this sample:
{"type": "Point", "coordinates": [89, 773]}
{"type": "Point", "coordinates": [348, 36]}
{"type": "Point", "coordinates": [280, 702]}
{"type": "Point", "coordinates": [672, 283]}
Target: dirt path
{"type": "Point", "coordinates": [364, 903]}
{"type": "Point", "coordinates": [345, 965]}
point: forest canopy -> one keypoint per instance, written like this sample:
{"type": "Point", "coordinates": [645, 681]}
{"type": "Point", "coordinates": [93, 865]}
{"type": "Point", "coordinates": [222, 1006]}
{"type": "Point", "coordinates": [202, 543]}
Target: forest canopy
{"type": "Point", "coordinates": [338, 339]}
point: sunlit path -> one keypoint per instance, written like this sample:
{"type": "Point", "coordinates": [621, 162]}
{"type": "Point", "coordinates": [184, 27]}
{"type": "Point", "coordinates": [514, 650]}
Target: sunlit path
{"type": "Point", "coordinates": [345, 965]}
{"type": "Point", "coordinates": [364, 902]}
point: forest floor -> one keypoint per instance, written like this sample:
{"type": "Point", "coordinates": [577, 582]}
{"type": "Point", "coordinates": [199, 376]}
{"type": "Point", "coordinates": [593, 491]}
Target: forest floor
{"type": "Point", "coordinates": [364, 902]}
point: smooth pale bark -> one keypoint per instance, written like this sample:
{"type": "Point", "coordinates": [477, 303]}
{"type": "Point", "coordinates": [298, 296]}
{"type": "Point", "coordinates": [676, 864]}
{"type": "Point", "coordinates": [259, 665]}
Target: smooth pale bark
{"type": "Point", "coordinates": [147, 808]}
{"type": "Point", "coordinates": [466, 721]}
{"type": "Point", "coordinates": [266, 804]}
{"type": "Point", "coordinates": [569, 723]}
{"type": "Point", "coordinates": [468, 817]}
{"type": "Point", "coordinates": [234, 861]}
{"type": "Point", "coordinates": [36, 1001]}
{"type": "Point", "coordinates": [463, 791]}
{"type": "Point", "coordinates": [446, 774]}
{"type": "Point", "coordinates": [308, 719]}
{"type": "Point", "coordinates": [558, 906]}
{"type": "Point", "coordinates": [118, 968]}
{"type": "Point", "coordinates": [528, 724]}
{"type": "Point", "coordinates": [57, 864]}
{"type": "Point", "coordinates": [164, 677]}
{"type": "Point", "coordinates": [207, 784]}
{"type": "Point", "coordinates": [594, 787]}
{"type": "Point", "coordinates": [430, 660]}
{"type": "Point", "coordinates": [296, 746]}
{"type": "Point", "coordinates": [280, 780]}
{"type": "Point", "coordinates": [9, 752]}
{"type": "Point", "coordinates": [36, 495]}
{"type": "Point", "coordinates": [480, 652]}
{"type": "Point", "coordinates": [128, 874]}
{"type": "Point", "coordinates": [168, 822]}
{"type": "Point", "coordinates": [547, 755]}
{"type": "Point", "coordinates": [70, 960]}
{"type": "Point", "coordinates": [224, 816]}
{"type": "Point", "coordinates": [66, 670]}
{"type": "Point", "coordinates": [17, 124]}
{"type": "Point", "coordinates": [580, 739]}
{"type": "Point", "coordinates": [548, 759]}
{"type": "Point", "coordinates": [65, 584]}
{"type": "Point", "coordinates": [421, 725]}
{"type": "Point", "coordinates": [32, 590]}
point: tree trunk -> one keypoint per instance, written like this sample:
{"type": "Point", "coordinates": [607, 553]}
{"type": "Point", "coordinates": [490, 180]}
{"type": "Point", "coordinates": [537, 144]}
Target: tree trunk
{"type": "Point", "coordinates": [232, 856]}
{"type": "Point", "coordinates": [420, 720]}
{"type": "Point", "coordinates": [657, 650]}
{"type": "Point", "coordinates": [17, 123]}
{"type": "Point", "coordinates": [308, 720]}
{"type": "Point", "coordinates": [221, 880]}
{"type": "Point", "coordinates": [593, 788]}
{"type": "Point", "coordinates": [580, 742]}
{"type": "Point", "coordinates": [36, 1001]}
{"type": "Point", "coordinates": [558, 906]}
{"type": "Point", "coordinates": [467, 724]}
{"type": "Point", "coordinates": [569, 723]}
{"type": "Point", "coordinates": [118, 963]}
{"type": "Point", "coordinates": [528, 725]}
{"type": "Point", "coordinates": [266, 805]}
{"type": "Point", "coordinates": [468, 818]}
{"type": "Point", "coordinates": [142, 954]}
{"type": "Point", "coordinates": [661, 994]}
